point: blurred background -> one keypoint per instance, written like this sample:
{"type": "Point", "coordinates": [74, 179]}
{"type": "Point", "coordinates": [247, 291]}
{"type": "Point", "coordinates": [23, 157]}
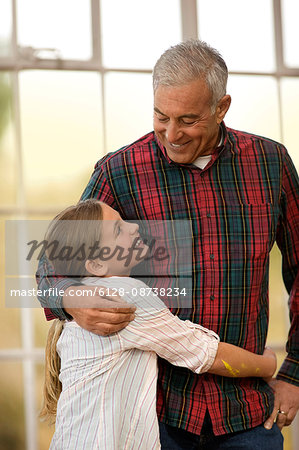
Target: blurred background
{"type": "Point", "coordinates": [75, 83]}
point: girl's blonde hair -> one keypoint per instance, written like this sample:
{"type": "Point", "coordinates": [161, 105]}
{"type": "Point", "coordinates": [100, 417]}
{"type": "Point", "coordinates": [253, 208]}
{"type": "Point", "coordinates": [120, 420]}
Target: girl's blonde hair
{"type": "Point", "coordinates": [86, 226]}
{"type": "Point", "coordinates": [71, 234]}
{"type": "Point", "coordinates": [52, 384]}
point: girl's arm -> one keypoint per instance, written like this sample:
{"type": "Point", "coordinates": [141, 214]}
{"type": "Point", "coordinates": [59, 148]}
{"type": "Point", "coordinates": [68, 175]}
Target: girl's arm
{"type": "Point", "coordinates": [187, 344]}
{"type": "Point", "coordinates": [233, 361]}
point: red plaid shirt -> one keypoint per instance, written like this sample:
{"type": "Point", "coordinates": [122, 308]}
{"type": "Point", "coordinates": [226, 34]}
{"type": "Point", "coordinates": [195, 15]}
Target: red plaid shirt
{"type": "Point", "coordinates": [243, 201]}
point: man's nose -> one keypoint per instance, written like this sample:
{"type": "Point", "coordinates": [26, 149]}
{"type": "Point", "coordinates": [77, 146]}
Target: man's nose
{"type": "Point", "coordinates": [173, 132]}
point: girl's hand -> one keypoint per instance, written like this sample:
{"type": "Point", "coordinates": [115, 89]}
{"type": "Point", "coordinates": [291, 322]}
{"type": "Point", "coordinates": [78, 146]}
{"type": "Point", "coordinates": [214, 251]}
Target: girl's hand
{"type": "Point", "coordinates": [271, 356]}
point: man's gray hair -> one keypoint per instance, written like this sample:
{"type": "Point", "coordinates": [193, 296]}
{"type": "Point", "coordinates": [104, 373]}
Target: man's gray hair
{"type": "Point", "coordinates": [189, 61]}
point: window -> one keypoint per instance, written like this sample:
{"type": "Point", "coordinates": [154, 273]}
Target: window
{"type": "Point", "coordinates": [229, 30]}
{"type": "Point", "coordinates": [75, 83]}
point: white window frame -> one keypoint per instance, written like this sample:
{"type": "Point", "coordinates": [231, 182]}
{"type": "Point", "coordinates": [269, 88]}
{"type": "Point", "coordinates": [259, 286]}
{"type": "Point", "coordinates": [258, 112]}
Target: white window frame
{"type": "Point", "coordinates": [28, 354]}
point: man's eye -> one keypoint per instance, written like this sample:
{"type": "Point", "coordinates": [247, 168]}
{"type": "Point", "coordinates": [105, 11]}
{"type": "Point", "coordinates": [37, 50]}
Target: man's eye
{"type": "Point", "coordinates": [188, 122]}
{"type": "Point", "coordinates": [162, 118]}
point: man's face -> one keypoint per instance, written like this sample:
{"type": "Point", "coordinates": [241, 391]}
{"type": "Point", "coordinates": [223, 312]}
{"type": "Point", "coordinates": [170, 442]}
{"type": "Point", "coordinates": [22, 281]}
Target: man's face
{"type": "Point", "coordinates": [183, 121]}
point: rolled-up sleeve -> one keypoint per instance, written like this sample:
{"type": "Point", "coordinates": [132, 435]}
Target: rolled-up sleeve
{"type": "Point", "coordinates": [180, 342]}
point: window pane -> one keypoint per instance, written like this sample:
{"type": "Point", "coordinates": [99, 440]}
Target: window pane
{"type": "Point", "coordinates": [129, 108]}
{"type": "Point", "coordinates": [61, 132]}
{"type": "Point", "coordinates": [254, 105]}
{"type": "Point", "coordinates": [10, 320]}
{"type": "Point", "coordinates": [279, 320]}
{"type": "Point", "coordinates": [290, 116]}
{"type": "Point", "coordinates": [41, 326]}
{"type": "Point", "coordinates": [241, 31]}
{"type": "Point", "coordinates": [290, 14]}
{"type": "Point", "coordinates": [12, 421]}
{"type": "Point", "coordinates": [7, 143]}
{"type": "Point", "coordinates": [10, 325]}
{"type": "Point", "coordinates": [5, 27]}
{"type": "Point", "coordinates": [62, 25]}
{"type": "Point", "coordinates": [136, 32]}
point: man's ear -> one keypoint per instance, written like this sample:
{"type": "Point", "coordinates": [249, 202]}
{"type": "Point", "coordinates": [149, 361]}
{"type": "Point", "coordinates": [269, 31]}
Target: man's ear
{"type": "Point", "coordinates": [222, 108]}
{"type": "Point", "coordinates": [96, 267]}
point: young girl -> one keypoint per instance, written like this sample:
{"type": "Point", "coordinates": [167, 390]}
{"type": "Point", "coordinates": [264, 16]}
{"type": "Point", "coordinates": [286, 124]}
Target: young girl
{"type": "Point", "coordinates": [108, 394]}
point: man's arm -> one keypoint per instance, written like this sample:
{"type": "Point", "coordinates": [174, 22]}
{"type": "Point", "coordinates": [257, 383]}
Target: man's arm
{"type": "Point", "coordinates": [49, 285]}
{"type": "Point", "coordinates": [286, 387]}
{"type": "Point", "coordinates": [286, 403]}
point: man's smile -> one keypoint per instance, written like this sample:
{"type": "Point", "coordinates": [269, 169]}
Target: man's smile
{"type": "Point", "coordinates": [173, 146]}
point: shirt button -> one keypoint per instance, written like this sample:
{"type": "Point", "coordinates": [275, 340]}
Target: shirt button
{"type": "Point", "coordinates": [211, 256]}
{"type": "Point", "coordinates": [212, 297]}
{"type": "Point", "coordinates": [208, 215]}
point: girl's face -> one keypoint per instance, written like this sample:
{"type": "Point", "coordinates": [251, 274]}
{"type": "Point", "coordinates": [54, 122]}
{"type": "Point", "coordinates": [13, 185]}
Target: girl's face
{"type": "Point", "coordinates": [123, 246]}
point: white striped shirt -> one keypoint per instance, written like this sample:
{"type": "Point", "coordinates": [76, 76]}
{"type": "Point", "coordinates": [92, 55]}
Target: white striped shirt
{"type": "Point", "coordinates": [108, 398]}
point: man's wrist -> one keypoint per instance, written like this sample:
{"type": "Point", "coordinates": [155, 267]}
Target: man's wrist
{"type": "Point", "coordinates": [289, 371]}
{"type": "Point", "coordinates": [66, 294]}
{"type": "Point", "coordinates": [60, 313]}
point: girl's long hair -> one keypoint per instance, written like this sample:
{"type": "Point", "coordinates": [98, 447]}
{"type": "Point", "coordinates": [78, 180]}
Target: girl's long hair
{"type": "Point", "coordinates": [52, 384]}
{"type": "Point", "coordinates": [83, 226]}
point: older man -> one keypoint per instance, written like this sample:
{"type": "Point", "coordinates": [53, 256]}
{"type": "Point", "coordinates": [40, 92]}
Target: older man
{"type": "Point", "coordinates": [240, 191]}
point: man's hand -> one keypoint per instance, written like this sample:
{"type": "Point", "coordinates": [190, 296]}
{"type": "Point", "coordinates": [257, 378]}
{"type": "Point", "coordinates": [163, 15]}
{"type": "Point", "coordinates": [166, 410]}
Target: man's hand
{"type": "Point", "coordinates": [99, 313]}
{"type": "Point", "coordinates": [286, 404]}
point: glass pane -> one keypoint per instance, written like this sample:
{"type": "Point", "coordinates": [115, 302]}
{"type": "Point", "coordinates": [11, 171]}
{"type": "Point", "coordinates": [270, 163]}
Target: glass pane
{"type": "Point", "coordinates": [241, 31]}
{"type": "Point", "coordinates": [44, 430]}
{"type": "Point", "coordinates": [10, 326]}
{"type": "Point", "coordinates": [5, 27]}
{"type": "Point", "coordinates": [62, 25]}
{"type": "Point", "coordinates": [41, 327]}
{"type": "Point", "coordinates": [137, 41]}
{"type": "Point", "coordinates": [290, 14]}
{"type": "Point", "coordinates": [290, 116]}
{"type": "Point", "coordinates": [10, 320]}
{"type": "Point", "coordinates": [61, 132]}
{"type": "Point", "coordinates": [12, 421]}
{"type": "Point", "coordinates": [129, 108]}
{"type": "Point", "coordinates": [279, 312]}
{"type": "Point", "coordinates": [8, 174]}
{"type": "Point", "coordinates": [254, 107]}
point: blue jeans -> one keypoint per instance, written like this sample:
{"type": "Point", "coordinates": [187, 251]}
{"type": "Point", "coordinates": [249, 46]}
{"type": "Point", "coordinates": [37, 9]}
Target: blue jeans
{"type": "Point", "coordinates": [257, 438]}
